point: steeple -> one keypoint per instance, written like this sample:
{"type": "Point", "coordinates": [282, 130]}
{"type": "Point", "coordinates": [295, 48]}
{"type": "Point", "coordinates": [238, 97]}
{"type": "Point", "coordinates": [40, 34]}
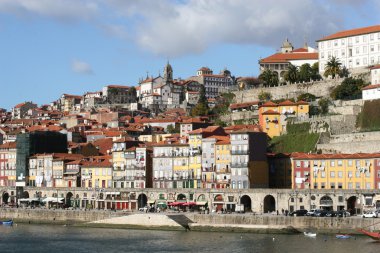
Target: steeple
{"type": "Point", "coordinates": [168, 73]}
{"type": "Point", "coordinates": [286, 47]}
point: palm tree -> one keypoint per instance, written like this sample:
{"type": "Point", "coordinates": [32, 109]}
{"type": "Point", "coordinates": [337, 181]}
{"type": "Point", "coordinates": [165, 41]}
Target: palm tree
{"type": "Point", "coordinates": [291, 74]}
{"type": "Point", "coordinates": [333, 67]}
{"type": "Point", "coordinates": [269, 77]}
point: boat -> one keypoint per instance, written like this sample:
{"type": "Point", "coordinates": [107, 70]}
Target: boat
{"type": "Point", "coordinates": [310, 234]}
{"type": "Point", "coordinates": [6, 223]}
{"type": "Point", "coordinates": [373, 235]}
{"type": "Point", "coordinates": [343, 236]}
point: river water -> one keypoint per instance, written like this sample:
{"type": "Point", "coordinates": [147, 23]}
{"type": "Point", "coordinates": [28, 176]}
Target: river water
{"type": "Point", "coordinates": [49, 238]}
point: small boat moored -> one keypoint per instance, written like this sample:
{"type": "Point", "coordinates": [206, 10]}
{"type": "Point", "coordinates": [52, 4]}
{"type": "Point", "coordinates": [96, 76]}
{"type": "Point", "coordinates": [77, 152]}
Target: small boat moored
{"type": "Point", "coordinates": [310, 234]}
{"type": "Point", "coordinates": [343, 236]}
{"type": "Point", "coordinates": [373, 235]}
{"type": "Point", "coordinates": [6, 223]}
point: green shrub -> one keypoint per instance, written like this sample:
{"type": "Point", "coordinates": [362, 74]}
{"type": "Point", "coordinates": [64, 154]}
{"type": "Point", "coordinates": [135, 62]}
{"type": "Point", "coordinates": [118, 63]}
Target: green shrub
{"type": "Point", "coordinates": [369, 118]}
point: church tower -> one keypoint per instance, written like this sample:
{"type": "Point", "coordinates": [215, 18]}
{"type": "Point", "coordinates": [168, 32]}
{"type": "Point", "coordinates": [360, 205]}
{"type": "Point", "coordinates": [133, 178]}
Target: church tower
{"type": "Point", "coordinates": [286, 47]}
{"type": "Point", "coordinates": [168, 73]}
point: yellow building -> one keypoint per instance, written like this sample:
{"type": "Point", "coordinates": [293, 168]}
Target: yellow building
{"type": "Point", "coordinates": [274, 117]}
{"type": "Point", "coordinates": [334, 171]}
{"type": "Point", "coordinates": [8, 164]}
{"type": "Point", "coordinates": [223, 162]}
{"type": "Point", "coordinates": [97, 172]}
{"type": "Point", "coordinates": [195, 157]}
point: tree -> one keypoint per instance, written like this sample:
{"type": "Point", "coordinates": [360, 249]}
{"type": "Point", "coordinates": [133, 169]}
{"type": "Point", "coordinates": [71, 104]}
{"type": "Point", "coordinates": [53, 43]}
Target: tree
{"type": "Point", "coordinates": [315, 72]}
{"type": "Point", "coordinates": [291, 74]}
{"type": "Point", "coordinates": [305, 73]}
{"type": "Point", "coordinates": [264, 96]}
{"type": "Point", "coordinates": [344, 72]}
{"type": "Point", "coordinates": [306, 97]}
{"type": "Point", "coordinates": [132, 93]}
{"type": "Point", "coordinates": [350, 88]}
{"type": "Point", "coordinates": [222, 103]}
{"type": "Point", "coordinates": [333, 67]}
{"type": "Point", "coordinates": [201, 108]}
{"type": "Point", "coordinates": [324, 105]}
{"type": "Point", "coordinates": [173, 129]}
{"type": "Point", "coordinates": [269, 78]}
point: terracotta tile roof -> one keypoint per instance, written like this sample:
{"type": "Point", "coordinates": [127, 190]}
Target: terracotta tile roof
{"type": "Point", "coordinates": [352, 32]}
{"type": "Point", "coordinates": [243, 105]}
{"type": "Point", "coordinates": [335, 156]}
{"type": "Point", "coordinates": [44, 128]}
{"type": "Point", "coordinates": [286, 57]}
{"type": "Point", "coordinates": [270, 112]}
{"type": "Point", "coordinates": [204, 69]}
{"type": "Point", "coordinates": [209, 129]}
{"type": "Point", "coordinates": [103, 145]}
{"type": "Point", "coordinates": [72, 96]}
{"type": "Point", "coordinates": [238, 127]}
{"type": "Point", "coordinates": [370, 87]}
{"type": "Point", "coordinates": [287, 103]}
{"type": "Point", "coordinates": [118, 86]}
{"type": "Point", "coordinates": [375, 67]}
{"type": "Point", "coordinates": [269, 104]}
{"type": "Point", "coordinates": [8, 145]}
{"type": "Point", "coordinates": [300, 50]}
{"type": "Point", "coordinates": [301, 102]}
{"type": "Point", "coordinates": [19, 105]}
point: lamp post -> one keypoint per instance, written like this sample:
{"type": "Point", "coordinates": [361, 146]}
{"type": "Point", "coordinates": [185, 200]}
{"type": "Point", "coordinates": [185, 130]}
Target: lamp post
{"type": "Point", "coordinates": [57, 198]}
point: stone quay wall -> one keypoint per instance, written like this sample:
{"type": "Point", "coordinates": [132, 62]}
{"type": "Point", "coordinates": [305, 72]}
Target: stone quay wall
{"type": "Point", "coordinates": [318, 88]}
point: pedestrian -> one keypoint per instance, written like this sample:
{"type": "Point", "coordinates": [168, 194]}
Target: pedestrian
{"type": "Point", "coordinates": [282, 211]}
{"type": "Point", "coordinates": [277, 212]}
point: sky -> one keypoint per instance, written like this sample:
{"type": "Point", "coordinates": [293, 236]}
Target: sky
{"type": "Point", "coordinates": [51, 47]}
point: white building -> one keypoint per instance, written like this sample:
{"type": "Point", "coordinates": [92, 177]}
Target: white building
{"type": "Point", "coordinates": [372, 91]}
{"type": "Point", "coordinates": [356, 49]}
{"type": "Point", "coordinates": [280, 61]}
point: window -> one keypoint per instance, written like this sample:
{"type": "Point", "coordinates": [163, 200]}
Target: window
{"type": "Point", "coordinates": [357, 50]}
{"type": "Point", "coordinates": [349, 174]}
{"type": "Point", "coordinates": [332, 163]}
{"type": "Point", "coordinates": [349, 185]}
{"type": "Point", "coordinates": [340, 162]}
{"type": "Point", "coordinates": [332, 185]}
{"type": "Point", "coordinates": [340, 174]}
{"type": "Point", "coordinates": [298, 164]}
{"type": "Point", "coordinates": [342, 42]}
{"type": "Point", "coordinates": [349, 162]}
{"type": "Point", "coordinates": [365, 38]}
{"type": "Point", "coordinates": [332, 174]}
{"type": "Point", "coordinates": [343, 52]}
{"type": "Point", "coordinates": [335, 43]}
{"type": "Point", "coordinates": [323, 174]}
{"type": "Point", "coordinates": [357, 185]}
{"type": "Point", "coordinates": [372, 48]}
{"type": "Point", "coordinates": [365, 61]}
{"type": "Point", "coordinates": [368, 185]}
{"type": "Point", "coordinates": [371, 37]}
{"type": "Point", "coordinates": [357, 39]}
{"type": "Point", "coordinates": [323, 185]}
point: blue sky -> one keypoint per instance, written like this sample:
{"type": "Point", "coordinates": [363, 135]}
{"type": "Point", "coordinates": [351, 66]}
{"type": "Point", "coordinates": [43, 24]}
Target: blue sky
{"type": "Point", "coordinates": [51, 47]}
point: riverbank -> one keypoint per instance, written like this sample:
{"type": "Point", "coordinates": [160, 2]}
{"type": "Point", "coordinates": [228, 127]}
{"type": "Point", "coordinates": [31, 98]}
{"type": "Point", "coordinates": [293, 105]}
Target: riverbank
{"type": "Point", "coordinates": [190, 221]}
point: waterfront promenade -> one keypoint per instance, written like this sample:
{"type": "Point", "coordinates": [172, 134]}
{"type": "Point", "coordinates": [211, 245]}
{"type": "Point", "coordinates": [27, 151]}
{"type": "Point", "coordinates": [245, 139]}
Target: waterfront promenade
{"type": "Point", "coordinates": [248, 222]}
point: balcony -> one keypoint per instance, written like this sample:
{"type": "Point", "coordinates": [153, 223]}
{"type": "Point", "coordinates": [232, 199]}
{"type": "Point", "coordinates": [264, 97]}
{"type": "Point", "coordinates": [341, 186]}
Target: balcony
{"type": "Point", "coordinates": [239, 152]}
{"type": "Point", "coordinates": [239, 165]}
{"type": "Point", "coordinates": [223, 171]}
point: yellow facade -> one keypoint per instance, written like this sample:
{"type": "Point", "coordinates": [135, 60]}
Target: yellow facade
{"type": "Point", "coordinates": [97, 176]}
{"type": "Point", "coordinates": [195, 157]}
{"type": "Point", "coordinates": [342, 174]}
{"type": "Point", "coordinates": [223, 162]}
{"type": "Point", "coordinates": [271, 124]}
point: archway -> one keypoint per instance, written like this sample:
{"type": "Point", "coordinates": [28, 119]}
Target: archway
{"type": "Point", "coordinates": [69, 195]}
{"type": "Point", "coordinates": [25, 195]}
{"type": "Point", "coordinates": [326, 203]}
{"type": "Point", "coordinates": [181, 197]}
{"type": "Point", "coordinates": [246, 201]}
{"type": "Point", "coordinates": [5, 197]}
{"type": "Point", "coordinates": [351, 204]}
{"type": "Point", "coordinates": [201, 197]}
{"type": "Point", "coordinates": [269, 204]}
{"type": "Point", "coordinates": [142, 200]}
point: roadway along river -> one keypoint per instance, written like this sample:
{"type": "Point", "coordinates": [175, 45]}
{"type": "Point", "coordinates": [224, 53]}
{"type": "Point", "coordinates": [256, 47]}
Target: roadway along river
{"type": "Point", "coordinates": [49, 238]}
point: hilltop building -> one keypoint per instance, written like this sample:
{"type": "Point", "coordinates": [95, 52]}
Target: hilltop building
{"type": "Point", "coordinates": [356, 49]}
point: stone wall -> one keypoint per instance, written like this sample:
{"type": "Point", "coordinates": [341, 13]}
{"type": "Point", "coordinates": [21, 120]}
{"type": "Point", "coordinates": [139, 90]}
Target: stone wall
{"type": "Point", "coordinates": [318, 88]}
{"type": "Point", "coordinates": [248, 116]}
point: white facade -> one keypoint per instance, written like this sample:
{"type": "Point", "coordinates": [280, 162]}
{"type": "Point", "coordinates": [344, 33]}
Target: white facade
{"type": "Point", "coordinates": [375, 75]}
{"type": "Point", "coordinates": [371, 92]}
{"type": "Point", "coordinates": [356, 51]}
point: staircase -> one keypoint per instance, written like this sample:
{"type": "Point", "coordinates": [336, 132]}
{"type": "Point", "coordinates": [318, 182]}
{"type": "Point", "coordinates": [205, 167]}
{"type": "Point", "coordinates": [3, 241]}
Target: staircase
{"type": "Point", "coordinates": [181, 219]}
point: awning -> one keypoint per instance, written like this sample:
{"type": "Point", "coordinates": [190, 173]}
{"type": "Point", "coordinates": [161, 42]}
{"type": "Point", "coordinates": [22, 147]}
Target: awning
{"type": "Point", "coordinates": [161, 203]}
{"type": "Point", "coordinates": [53, 199]}
{"type": "Point", "coordinates": [189, 204]}
{"type": "Point", "coordinates": [28, 200]}
{"type": "Point", "coordinates": [112, 193]}
{"type": "Point", "coordinates": [201, 203]}
{"type": "Point", "coordinates": [151, 201]}
{"type": "Point", "coordinates": [71, 173]}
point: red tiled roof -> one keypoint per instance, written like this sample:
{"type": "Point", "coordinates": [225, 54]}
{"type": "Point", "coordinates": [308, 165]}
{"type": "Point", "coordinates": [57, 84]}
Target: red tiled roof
{"type": "Point", "coordinates": [286, 57]}
{"type": "Point", "coordinates": [269, 104]}
{"type": "Point", "coordinates": [19, 105]}
{"type": "Point", "coordinates": [270, 112]}
{"type": "Point", "coordinates": [375, 67]}
{"type": "Point", "coordinates": [103, 145]}
{"type": "Point", "coordinates": [301, 102]}
{"type": "Point", "coordinates": [238, 127]}
{"type": "Point", "coordinates": [8, 145]}
{"type": "Point", "coordinates": [208, 129]}
{"type": "Point", "coordinates": [370, 87]}
{"type": "Point", "coordinates": [118, 86]}
{"type": "Point", "coordinates": [352, 32]}
{"type": "Point", "coordinates": [286, 102]}
{"type": "Point", "coordinates": [243, 105]}
{"type": "Point", "coordinates": [72, 96]}
{"type": "Point", "coordinates": [334, 156]}
{"type": "Point", "coordinates": [300, 50]}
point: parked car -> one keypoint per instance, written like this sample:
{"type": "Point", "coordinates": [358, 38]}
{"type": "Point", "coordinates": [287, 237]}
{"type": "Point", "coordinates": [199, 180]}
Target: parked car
{"type": "Point", "coordinates": [320, 213]}
{"type": "Point", "coordinates": [301, 212]}
{"type": "Point", "coordinates": [331, 214]}
{"type": "Point", "coordinates": [144, 209]}
{"type": "Point", "coordinates": [369, 214]}
{"type": "Point", "coordinates": [343, 213]}
{"type": "Point", "coordinates": [312, 212]}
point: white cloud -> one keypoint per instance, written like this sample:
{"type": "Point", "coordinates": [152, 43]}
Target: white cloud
{"type": "Point", "coordinates": [172, 29]}
{"type": "Point", "coordinates": [81, 67]}
{"type": "Point", "coordinates": [65, 10]}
